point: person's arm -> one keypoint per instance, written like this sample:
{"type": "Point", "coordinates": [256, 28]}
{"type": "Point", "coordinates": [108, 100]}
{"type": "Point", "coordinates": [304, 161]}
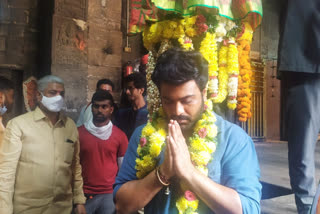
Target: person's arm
{"type": "Point", "coordinates": [135, 194]}
{"type": "Point", "coordinates": [131, 194]}
{"type": "Point", "coordinates": [218, 198]}
{"type": "Point", "coordinates": [10, 150]}
{"type": "Point", "coordinates": [123, 145]}
{"type": "Point", "coordinates": [240, 189]}
{"type": "Point", "coordinates": [78, 196]}
{"type": "Point", "coordinates": [80, 209]}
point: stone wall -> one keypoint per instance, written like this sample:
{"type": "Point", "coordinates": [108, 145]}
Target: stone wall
{"type": "Point", "coordinates": [19, 32]}
{"type": "Point", "coordinates": [104, 44]}
{"type": "Point", "coordinates": [86, 47]}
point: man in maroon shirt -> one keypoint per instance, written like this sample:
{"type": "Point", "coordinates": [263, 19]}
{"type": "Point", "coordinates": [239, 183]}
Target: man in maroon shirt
{"type": "Point", "coordinates": [102, 147]}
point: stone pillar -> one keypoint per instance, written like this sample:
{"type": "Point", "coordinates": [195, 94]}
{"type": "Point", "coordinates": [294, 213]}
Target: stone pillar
{"type": "Point", "coordinates": [104, 44]}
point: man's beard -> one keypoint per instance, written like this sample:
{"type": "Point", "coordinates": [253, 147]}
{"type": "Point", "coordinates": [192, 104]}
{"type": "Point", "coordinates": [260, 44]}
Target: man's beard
{"type": "Point", "coordinates": [188, 128]}
{"type": "Point", "coordinates": [99, 118]}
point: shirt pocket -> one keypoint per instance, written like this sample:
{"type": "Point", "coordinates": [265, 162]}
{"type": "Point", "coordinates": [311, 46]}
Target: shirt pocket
{"type": "Point", "coordinates": [68, 150]}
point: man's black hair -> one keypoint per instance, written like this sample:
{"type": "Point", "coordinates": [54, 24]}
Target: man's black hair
{"type": "Point", "coordinates": [104, 81]}
{"type": "Point", "coordinates": [139, 81]}
{"type": "Point", "coordinates": [5, 84]}
{"type": "Point", "coordinates": [176, 66]}
{"type": "Point", "coordinates": [102, 95]}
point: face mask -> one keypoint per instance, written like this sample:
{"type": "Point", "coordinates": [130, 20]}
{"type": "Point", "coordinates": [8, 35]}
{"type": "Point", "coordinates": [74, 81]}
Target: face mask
{"type": "Point", "coordinates": [3, 110]}
{"type": "Point", "coordinates": [53, 104]}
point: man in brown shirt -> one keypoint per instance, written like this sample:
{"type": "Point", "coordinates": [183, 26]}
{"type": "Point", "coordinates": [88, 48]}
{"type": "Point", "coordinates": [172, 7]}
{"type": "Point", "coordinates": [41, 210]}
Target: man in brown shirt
{"type": "Point", "coordinates": [40, 171]}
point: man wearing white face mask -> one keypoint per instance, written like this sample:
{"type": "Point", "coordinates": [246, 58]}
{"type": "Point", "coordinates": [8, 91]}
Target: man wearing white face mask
{"type": "Point", "coordinates": [40, 170]}
{"type": "Point", "coordinates": [102, 147]}
{"type": "Point", "coordinates": [6, 100]}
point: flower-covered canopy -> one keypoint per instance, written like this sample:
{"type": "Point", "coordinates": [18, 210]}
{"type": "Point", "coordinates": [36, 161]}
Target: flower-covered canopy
{"type": "Point", "coordinates": [144, 11]}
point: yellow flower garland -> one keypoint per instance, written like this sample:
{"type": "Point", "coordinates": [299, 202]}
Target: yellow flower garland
{"type": "Point", "coordinates": [202, 145]}
{"type": "Point", "coordinates": [233, 71]}
{"type": "Point", "coordinates": [223, 70]}
{"type": "Point", "coordinates": [223, 75]}
{"type": "Point", "coordinates": [208, 48]}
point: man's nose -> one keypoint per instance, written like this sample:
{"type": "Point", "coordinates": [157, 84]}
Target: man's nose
{"type": "Point", "coordinates": [100, 109]}
{"type": "Point", "coordinates": [178, 109]}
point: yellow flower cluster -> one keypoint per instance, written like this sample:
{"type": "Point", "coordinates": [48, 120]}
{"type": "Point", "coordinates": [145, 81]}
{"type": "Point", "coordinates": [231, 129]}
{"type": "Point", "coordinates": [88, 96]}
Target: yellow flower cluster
{"type": "Point", "coordinates": [154, 139]}
{"type": "Point", "coordinates": [186, 43]}
{"type": "Point", "coordinates": [148, 130]}
{"type": "Point", "coordinates": [223, 75]}
{"type": "Point", "coordinates": [233, 64]}
{"type": "Point", "coordinates": [170, 29]}
{"type": "Point", "coordinates": [145, 165]}
{"type": "Point", "coordinates": [183, 205]}
{"type": "Point", "coordinates": [248, 33]}
{"type": "Point", "coordinates": [189, 26]}
{"type": "Point", "coordinates": [208, 49]}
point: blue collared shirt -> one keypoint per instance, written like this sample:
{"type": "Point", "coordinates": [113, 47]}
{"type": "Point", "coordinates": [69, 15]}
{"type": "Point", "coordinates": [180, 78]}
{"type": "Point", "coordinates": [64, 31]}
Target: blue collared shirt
{"type": "Point", "coordinates": [234, 165]}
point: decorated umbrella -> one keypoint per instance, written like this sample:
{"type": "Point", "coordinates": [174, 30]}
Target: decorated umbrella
{"type": "Point", "coordinates": [144, 11]}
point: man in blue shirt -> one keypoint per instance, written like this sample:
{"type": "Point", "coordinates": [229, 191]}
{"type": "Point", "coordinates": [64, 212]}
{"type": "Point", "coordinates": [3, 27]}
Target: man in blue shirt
{"type": "Point", "coordinates": [128, 119]}
{"type": "Point", "coordinates": [232, 184]}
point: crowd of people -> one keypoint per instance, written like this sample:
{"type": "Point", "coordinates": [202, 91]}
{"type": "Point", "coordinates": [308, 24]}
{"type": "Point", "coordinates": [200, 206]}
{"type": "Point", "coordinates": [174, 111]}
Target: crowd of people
{"type": "Point", "coordinates": [49, 164]}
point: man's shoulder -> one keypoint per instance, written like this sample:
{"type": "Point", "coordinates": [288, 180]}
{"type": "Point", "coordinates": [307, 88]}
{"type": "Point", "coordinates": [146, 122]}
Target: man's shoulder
{"type": "Point", "coordinates": [226, 126]}
{"type": "Point", "coordinates": [124, 110]}
{"type": "Point", "coordinates": [26, 117]}
{"type": "Point", "coordinates": [137, 132]}
{"type": "Point", "coordinates": [117, 130]}
{"type": "Point", "coordinates": [230, 134]}
{"type": "Point", "coordinates": [82, 129]}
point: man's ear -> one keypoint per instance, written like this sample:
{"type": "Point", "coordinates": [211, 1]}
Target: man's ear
{"type": "Point", "coordinates": [204, 94]}
{"type": "Point", "coordinates": [141, 90]}
{"type": "Point", "coordinates": [112, 109]}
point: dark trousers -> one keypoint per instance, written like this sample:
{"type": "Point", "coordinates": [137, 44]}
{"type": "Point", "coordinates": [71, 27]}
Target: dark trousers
{"type": "Point", "coordinates": [303, 125]}
{"type": "Point", "coordinates": [100, 204]}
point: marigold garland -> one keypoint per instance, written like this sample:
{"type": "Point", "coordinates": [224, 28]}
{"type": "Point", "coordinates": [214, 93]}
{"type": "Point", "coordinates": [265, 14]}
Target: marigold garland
{"type": "Point", "coordinates": [223, 67]}
{"type": "Point", "coordinates": [244, 93]}
{"type": "Point", "coordinates": [202, 145]}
